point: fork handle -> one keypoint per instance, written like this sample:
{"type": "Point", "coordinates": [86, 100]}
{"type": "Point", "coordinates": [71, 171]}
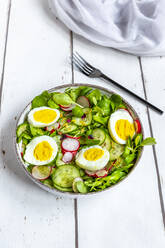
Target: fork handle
{"type": "Point", "coordinates": [132, 93]}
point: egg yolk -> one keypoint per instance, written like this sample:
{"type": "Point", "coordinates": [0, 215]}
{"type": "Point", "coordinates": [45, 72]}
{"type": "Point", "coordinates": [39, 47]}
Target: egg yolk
{"type": "Point", "coordinates": [43, 151]}
{"type": "Point", "coordinates": [45, 115]}
{"type": "Point", "coordinates": [93, 154]}
{"type": "Point", "coordinates": [124, 129]}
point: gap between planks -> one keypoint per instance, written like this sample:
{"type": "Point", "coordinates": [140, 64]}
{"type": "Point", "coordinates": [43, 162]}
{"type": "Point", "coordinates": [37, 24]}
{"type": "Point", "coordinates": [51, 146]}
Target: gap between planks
{"type": "Point", "coordinates": [75, 200]}
{"type": "Point", "coordinates": [4, 55]}
{"type": "Point", "coordinates": [153, 147]}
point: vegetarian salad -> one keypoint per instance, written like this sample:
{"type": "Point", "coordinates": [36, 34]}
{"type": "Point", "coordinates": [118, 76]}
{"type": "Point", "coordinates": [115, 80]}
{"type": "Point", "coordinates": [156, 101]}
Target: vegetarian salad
{"type": "Point", "coordinates": [80, 140]}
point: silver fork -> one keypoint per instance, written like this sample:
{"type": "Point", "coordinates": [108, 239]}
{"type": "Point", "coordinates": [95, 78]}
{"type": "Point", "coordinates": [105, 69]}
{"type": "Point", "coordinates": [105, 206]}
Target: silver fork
{"type": "Point", "coordinates": [93, 72]}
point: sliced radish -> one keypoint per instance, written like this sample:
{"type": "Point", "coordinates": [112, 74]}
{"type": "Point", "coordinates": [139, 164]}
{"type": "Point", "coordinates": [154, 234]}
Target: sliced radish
{"type": "Point", "coordinates": [83, 101]}
{"type": "Point", "coordinates": [90, 173]}
{"type": "Point", "coordinates": [74, 187]}
{"type": "Point", "coordinates": [69, 108]}
{"type": "Point", "coordinates": [65, 106]}
{"type": "Point", "coordinates": [67, 157]}
{"type": "Point", "coordinates": [98, 173]}
{"type": "Point", "coordinates": [41, 172]}
{"type": "Point", "coordinates": [74, 153]}
{"type": "Point", "coordinates": [70, 144]}
{"type": "Point", "coordinates": [54, 126]}
{"type": "Point", "coordinates": [137, 126]}
{"type": "Point", "coordinates": [102, 173]}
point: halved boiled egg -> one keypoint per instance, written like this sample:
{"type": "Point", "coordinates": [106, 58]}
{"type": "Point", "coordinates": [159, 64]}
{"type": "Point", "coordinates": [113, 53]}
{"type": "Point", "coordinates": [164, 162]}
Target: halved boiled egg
{"type": "Point", "coordinates": [92, 158]}
{"type": "Point", "coordinates": [43, 116]}
{"type": "Point", "coordinates": [121, 126]}
{"type": "Point", "coordinates": [41, 150]}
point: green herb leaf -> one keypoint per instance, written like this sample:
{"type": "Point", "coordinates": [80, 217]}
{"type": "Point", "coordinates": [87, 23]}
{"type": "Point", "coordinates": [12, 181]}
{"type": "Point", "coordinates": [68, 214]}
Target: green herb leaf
{"type": "Point", "coordinates": [77, 111]}
{"type": "Point", "coordinates": [52, 104]}
{"type": "Point", "coordinates": [130, 158]}
{"type": "Point", "coordinates": [138, 139]}
{"type": "Point", "coordinates": [35, 131]}
{"type": "Point", "coordinates": [148, 142]}
{"type": "Point", "coordinates": [41, 100]}
{"type": "Point", "coordinates": [100, 119]}
{"type": "Point", "coordinates": [94, 96]}
{"type": "Point", "coordinates": [85, 141]}
{"type": "Point", "coordinates": [62, 99]}
{"type": "Point", "coordinates": [104, 105]}
{"type": "Point", "coordinates": [73, 93]}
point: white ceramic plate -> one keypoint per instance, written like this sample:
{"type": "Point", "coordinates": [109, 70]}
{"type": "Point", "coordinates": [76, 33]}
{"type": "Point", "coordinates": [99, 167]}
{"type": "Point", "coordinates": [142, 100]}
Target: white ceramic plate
{"type": "Point", "coordinates": [55, 191]}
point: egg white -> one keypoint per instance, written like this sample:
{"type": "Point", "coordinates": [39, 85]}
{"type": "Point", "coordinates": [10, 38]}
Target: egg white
{"type": "Point", "coordinates": [92, 165]}
{"type": "Point", "coordinates": [118, 115]}
{"type": "Point", "coordinates": [35, 123]}
{"type": "Point", "coordinates": [29, 152]}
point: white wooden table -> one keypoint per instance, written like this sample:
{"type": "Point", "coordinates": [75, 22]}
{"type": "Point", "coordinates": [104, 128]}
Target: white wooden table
{"type": "Point", "coordinates": [34, 53]}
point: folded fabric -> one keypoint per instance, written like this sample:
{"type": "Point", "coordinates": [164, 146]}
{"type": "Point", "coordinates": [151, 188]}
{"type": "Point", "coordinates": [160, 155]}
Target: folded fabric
{"type": "Point", "coordinates": [133, 26]}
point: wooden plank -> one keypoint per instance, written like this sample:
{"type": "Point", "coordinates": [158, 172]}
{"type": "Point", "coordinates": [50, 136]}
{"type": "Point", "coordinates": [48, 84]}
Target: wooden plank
{"type": "Point", "coordinates": [128, 215]}
{"type": "Point", "coordinates": [4, 18]}
{"type": "Point", "coordinates": [154, 77]}
{"type": "Point", "coordinates": [36, 54]}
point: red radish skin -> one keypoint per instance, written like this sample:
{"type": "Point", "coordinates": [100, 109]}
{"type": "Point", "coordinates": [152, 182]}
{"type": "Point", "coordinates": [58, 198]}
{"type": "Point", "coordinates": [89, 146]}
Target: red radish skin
{"type": "Point", "coordinates": [91, 173]}
{"type": "Point", "coordinates": [83, 101]}
{"type": "Point", "coordinates": [52, 131]}
{"type": "Point", "coordinates": [65, 106]}
{"type": "Point", "coordinates": [68, 108]}
{"type": "Point", "coordinates": [109, 169]}
{"type": "Point", "coordinates": [57, 125]}
{"type": "Point", "coordinates": [22, 154]}
{"type": "Point", "coordinates": [137, 126]}
{"type": "Point", "coordinates": [73, 152]}
{"type": "Point", "coordinates": [70, 145]}
{"type": "Point", "coordinates": [44, 177]}
{"type": "Point", "coordinates": [101, 173]}
{"type": "Point", "coordinates": [67, 157]}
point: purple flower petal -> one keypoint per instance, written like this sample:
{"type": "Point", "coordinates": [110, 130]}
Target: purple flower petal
{"type": "Point", "coordinates": [83, 116]}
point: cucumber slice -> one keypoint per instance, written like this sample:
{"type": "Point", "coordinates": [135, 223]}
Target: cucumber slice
{"type": "Point", "coordinates": [21, 128]}
{"type": "Point", "coordinates": [99, 134]}
{"type": "Point", "coordinates": [81, 187]}
{"type": "Point", "coordinates": [35, 131]}
{"type": "Point", "coordinates": [41, 172]}
{"type": "Point", "coordinates": [59, 161]}
{"type": "Point", "coordinates": [63, 188]}
{"type": "Point", "coordinates": [74, 186]}
{"type": "Point", "coordinates": [64, 175]}
{"type": "Point", "coordinates": [57, 138]}
{"type": "Point", "coordinates": [83, 121]}
{"type": "Point", "coordinates": [107, 142]}
{"type": "Point", "coordinates": [68, 128]}
{"type": "Point", "coordinates": [116, 150]}
{"type": "Point", "coordinates": [48, 182]}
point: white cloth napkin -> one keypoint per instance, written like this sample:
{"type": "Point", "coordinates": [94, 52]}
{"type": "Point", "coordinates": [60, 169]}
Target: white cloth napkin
{"type": "Point", "coordinates": [133, 26]}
